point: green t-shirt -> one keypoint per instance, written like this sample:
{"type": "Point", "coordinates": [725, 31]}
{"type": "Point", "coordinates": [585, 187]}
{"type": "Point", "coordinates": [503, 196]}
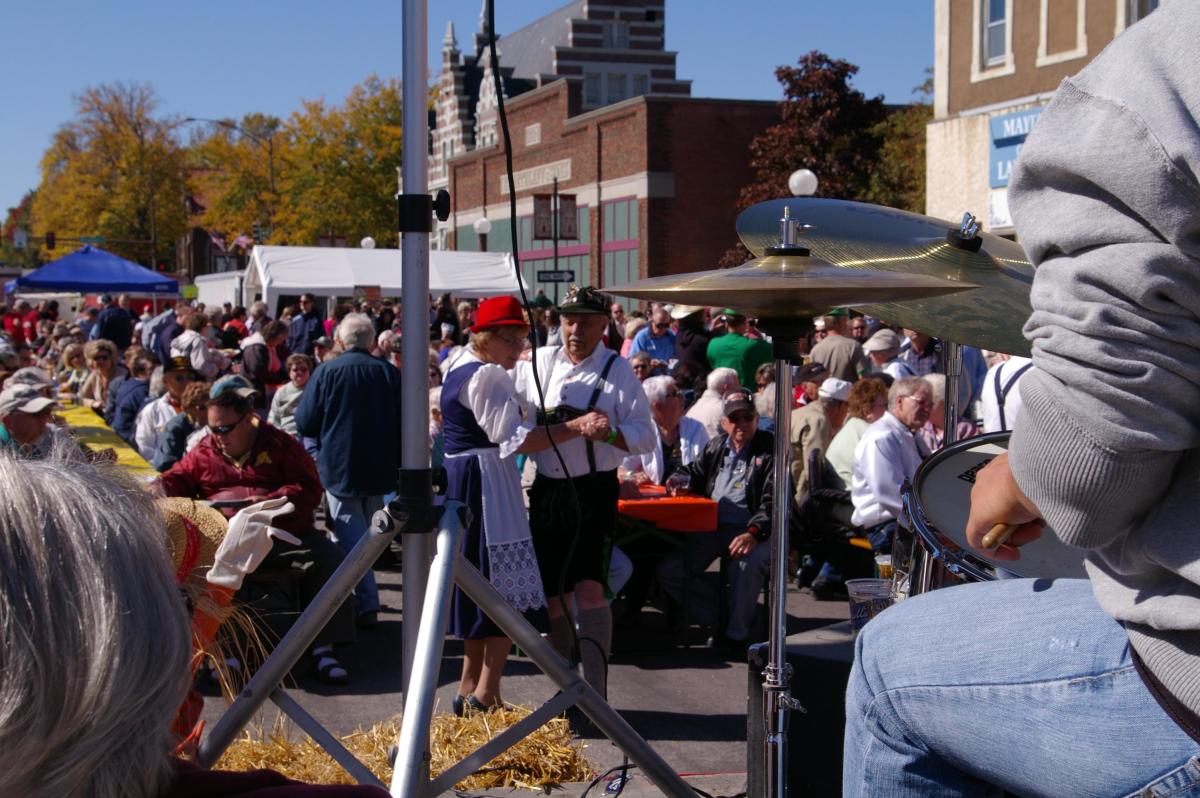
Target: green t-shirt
{"type": "Point", "coordinates": [738, 352]}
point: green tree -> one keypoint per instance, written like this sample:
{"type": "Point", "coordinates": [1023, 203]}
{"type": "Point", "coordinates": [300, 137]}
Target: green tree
{"type": "Point", "coordinates": [826, 125]}
{"type": "Point", "coordinates": [898, 179]}
{"type": "Point", "coordinates": [116, 171]}
{"type": "Point", "coordinates": [341, 167]}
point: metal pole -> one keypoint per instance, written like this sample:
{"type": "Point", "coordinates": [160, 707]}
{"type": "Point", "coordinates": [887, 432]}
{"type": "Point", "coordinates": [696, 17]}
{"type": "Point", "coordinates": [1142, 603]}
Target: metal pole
{"type": "Point", "coordinates": [554, 222]}
{"type": "Point", "coordinates": [952, 365]}
{"type": "Point", "coordinates": [777, 700]}
{"type": "Point", "coordinates": [414, 381]}
{"type": "Point", "coordinates": [408, 776]}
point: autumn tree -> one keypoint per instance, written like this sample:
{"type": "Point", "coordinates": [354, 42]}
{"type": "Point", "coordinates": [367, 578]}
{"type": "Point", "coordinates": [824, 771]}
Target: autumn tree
{"type": "Point", "coordinates": [341, 167]}
{"type": "Point", "coordinates": [115, 171]}
{"type": "Point", "coordinates": [18, 218]}
{"type": "Point", "coordinates": [826, 125]}
{"type": "Point", "coordinates": [235, 169]}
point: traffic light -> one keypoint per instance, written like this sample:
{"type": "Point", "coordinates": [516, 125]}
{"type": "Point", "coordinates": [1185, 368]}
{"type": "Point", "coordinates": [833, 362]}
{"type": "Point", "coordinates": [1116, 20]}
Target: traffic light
{"type": "Point", "coordinates": [257, 231]}
{"type": "Point", "coordinates": [49, 240]}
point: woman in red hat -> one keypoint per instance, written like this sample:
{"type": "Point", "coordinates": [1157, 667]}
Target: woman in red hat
{"type": "Point", "coordinates": [484, 427]}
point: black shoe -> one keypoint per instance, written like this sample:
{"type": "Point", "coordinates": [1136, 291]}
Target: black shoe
{"type": "Point", "coordinates": [829, 590]}
{"type": "Point", "coordinates": [466, 705]}
{"type": "Point", "coordinates": [581, 725]}
{"type": "Point", "coordinates": [458, 705]}
{"type": "Point", "coordinates": [368, 620]}
{"type": "Point", "coordinates": [731, 647]}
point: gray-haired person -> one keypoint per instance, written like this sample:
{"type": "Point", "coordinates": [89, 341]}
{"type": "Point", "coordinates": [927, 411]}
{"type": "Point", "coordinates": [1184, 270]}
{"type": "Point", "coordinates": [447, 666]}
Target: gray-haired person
{"type": "Point", "coordinates": [97, 644]}
{"type": "Point", "coordinates": [351, 406]}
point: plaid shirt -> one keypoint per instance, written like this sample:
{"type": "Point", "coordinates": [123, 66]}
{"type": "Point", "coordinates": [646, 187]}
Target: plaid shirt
{"type": "Point", "coordinates": [922, 363]}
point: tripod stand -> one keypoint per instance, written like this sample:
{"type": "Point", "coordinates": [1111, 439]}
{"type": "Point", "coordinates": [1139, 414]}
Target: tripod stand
{"type": "Point", "coordinates": [449, 567]}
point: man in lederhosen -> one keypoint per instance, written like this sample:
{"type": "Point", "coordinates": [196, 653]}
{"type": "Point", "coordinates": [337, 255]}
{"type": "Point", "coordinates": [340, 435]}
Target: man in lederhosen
{"type": "Point", "coordinates": [572, 514]}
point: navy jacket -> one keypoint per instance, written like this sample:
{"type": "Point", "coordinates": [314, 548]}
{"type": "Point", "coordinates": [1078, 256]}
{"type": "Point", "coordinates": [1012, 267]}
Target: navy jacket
{"type": "Point", "coordinates": [162, 342]}
{"type": "Point", "coordinates": [114, 324]}
{"type": "Point", "coordinates": [304, 329]}
{"type": "Point", "coordinates": [352, 407]}
{"type": "Point", "coordinates": [131, 396]}
{"type": "Point", "coordinates": [172, 443]}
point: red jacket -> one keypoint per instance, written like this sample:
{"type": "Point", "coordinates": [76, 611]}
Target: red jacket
{"type": "Point", "coordinates": [277, 464]}
{"type": "Point", "coordinates": [14, 327]}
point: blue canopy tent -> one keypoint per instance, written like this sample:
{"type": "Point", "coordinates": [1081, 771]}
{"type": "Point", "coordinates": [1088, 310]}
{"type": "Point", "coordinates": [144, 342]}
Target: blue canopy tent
{"type": "Point", "coordinates": [91, 270]}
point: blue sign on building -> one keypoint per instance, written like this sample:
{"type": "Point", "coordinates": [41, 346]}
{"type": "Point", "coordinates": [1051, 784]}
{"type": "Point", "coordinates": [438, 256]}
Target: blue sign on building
{"type": "Point", "coordinates": [1007, 135]}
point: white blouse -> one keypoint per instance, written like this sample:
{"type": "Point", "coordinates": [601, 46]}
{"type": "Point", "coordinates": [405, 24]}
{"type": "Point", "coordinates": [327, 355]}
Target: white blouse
{"type": "Point", "coordinates": [492, 399]}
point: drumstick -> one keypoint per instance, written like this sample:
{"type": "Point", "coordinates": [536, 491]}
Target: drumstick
{"type": "Point", "coordinates": [999, 533]}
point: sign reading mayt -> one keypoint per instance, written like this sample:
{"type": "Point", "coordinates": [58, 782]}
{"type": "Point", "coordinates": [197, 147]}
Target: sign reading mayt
{"type": "Point", "coordinates": [538, 176]}
{"type": "Point", "coordinates": [1007, 135]}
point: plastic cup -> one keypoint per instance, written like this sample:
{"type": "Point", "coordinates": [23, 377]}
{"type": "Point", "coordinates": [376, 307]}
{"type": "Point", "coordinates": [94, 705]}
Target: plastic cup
{"type": "Point", "coordinates": [868, 598]}
{"type": "Point", "coordinates": [883, 566]}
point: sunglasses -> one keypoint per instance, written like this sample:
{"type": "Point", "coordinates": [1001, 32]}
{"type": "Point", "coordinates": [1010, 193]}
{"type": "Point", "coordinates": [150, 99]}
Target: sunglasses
{"type": "Point", "coordinates": [101, 358]}
{"type": "Point", "coordinates": [741, 417]}
{"type": "Point", "coordinates": [225, 429]}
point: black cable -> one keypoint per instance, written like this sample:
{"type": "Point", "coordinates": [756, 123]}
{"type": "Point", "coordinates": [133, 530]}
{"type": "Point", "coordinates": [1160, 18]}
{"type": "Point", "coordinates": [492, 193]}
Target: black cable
{"type": "Point", "coordinates": [575, 506]}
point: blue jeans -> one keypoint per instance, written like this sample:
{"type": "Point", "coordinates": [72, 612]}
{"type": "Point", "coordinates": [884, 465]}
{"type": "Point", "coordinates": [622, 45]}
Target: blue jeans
{"type": "Point", "coordinates": [351, 517]}
{"type": "Point", "coordinates": [1022, 684]}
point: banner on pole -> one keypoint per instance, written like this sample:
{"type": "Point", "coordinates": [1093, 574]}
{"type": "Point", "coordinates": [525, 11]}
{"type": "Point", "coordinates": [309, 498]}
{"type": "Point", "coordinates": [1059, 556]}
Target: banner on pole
{"type": "Point", "coordinates": [568, 219]}
{"type": "Point", "coordinates": [543, 218]}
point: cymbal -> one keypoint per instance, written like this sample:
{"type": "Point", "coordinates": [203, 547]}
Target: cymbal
{"type": "Point", "coordinates": [787, 287]}
{"type": "Point", "coordinates": [857, 235]}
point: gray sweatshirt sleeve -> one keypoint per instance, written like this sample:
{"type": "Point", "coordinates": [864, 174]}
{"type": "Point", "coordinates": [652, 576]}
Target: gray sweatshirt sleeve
{"type": "Point", "coordinates": [1106, 201]}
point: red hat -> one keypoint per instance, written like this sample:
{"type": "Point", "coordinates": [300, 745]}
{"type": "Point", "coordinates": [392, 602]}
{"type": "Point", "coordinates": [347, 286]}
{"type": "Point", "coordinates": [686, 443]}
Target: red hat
{"type": "Point", "coordinates": [499, 311]}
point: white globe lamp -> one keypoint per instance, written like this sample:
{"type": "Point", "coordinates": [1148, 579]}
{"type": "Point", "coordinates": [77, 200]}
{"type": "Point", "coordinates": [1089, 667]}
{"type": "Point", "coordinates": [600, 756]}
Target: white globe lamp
{"type": "Point", "coordinates": [802, 183]}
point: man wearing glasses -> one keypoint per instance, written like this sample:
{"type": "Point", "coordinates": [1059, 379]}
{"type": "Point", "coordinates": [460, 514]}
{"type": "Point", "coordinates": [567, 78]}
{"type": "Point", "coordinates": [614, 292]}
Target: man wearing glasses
{"type": "Point", "coordinates": [736, 471]}
{"type": "Point", "coordinates": [306, 327]}
{"type": "Point", "coordinates": [885, 457]}
{"type": "Point", "coordinates": [244, 460]}
{"type": "Point", "coordinates": [657, 339]}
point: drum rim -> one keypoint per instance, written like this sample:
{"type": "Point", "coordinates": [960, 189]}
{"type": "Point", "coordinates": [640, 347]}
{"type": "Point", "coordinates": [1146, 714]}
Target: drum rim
{"type": "Point", "coordinates": [937, 544]}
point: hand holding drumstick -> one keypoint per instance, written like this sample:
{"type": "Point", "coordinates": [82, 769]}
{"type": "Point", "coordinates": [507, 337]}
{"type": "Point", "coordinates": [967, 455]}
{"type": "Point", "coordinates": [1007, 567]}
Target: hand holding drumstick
{"type": "Point", "coordinates": [1002, 517]}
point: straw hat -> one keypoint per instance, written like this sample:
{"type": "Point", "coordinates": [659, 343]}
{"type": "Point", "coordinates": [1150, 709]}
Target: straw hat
{"type": "Point", "coordinates": [194, 531]}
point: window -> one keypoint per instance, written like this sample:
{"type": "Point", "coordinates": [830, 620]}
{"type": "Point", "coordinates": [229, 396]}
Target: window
{"type": "Point", "coordinates": [616, 34]}
{"type": "Point", "coordinates": [1138, 9]}
{"type": "Point", "coordinates": [591, 89]}
{"type": "Point", "coordinates": [995, 22]}
{"type": "Point", "coordinates": [641, 85]}
{"type": "Point", "coordinates": [616, 87]}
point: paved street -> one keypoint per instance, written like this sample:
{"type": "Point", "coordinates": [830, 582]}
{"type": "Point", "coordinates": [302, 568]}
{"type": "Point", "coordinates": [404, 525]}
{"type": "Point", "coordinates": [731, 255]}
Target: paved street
{"type": "Point", "coordinates": [689, 703]}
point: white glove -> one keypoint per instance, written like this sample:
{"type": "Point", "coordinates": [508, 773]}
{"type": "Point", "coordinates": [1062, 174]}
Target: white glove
{"type": "Point", "coordinates": [248, 541]}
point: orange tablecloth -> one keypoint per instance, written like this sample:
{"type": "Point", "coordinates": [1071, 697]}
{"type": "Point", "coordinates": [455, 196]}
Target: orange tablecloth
{"type": "Point", "coordinates": [677, 513]}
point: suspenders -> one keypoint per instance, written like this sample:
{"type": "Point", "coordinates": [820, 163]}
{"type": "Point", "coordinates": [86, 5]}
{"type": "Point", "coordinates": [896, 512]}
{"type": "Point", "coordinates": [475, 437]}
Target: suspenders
{"type": "Point", "coordinates": [599, 389]}
{"type": "Point", "coordinates": [1002, 392]}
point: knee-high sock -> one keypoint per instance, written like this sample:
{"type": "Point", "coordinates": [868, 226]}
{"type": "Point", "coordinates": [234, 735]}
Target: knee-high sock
{"type": "Point", "coordinates": [562, 635]}
{"type": "Point", "coordinates": [595, 644]}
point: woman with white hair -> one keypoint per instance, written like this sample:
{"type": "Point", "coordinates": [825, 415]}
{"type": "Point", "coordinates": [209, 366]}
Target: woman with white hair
{"type": "Point", "coordinates": [97, 644]}
{"type": "Point", "coordinates": [680, 439]}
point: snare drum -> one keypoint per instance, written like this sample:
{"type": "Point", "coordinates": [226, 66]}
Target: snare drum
{"type": "Point", "coordinates": [937, 504]}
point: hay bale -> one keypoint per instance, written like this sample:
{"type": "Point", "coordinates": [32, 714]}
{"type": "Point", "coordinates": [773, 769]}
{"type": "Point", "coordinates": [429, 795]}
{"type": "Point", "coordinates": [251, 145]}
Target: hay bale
{"type": "Point", "coordinates": [548, 757]}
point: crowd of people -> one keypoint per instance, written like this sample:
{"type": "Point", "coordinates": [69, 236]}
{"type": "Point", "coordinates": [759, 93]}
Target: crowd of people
{"type": "Point", "coordinates": [231, 405]}
{"type": "Point", "coordinates": [236, 409]}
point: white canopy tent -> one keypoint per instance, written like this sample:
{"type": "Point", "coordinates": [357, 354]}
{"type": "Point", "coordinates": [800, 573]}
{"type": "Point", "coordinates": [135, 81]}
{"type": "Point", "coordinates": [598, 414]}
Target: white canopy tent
{"type": "Point", "coordinates": [332, 271]}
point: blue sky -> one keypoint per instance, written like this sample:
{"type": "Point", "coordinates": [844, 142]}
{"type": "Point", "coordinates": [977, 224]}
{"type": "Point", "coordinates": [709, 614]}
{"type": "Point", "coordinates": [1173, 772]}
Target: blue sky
{"type": "Point", "coordinates": [223, 59]}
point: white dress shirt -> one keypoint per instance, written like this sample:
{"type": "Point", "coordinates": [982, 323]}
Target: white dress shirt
{"type": "Point", "coordinates": [570, 384]}
{"type": "Point", "coordinates": [149, 425]}
{"type": "Point", "coordinates": [885, 457]}
{"type": "Point", "coordinates": [693, 437]}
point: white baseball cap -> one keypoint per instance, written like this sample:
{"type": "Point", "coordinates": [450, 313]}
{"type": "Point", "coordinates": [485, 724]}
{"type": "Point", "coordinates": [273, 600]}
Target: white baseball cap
{"type": "Point", "coordinates": [23, 398]}
{"type": "Point", "coordinates": [836, 389]}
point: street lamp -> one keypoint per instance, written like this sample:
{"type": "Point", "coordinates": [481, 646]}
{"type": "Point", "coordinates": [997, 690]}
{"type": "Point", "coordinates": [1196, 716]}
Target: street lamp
{"type": "Point", "coordinates": [367, 243]}
{"type": "Point", "coordinates": [483, 226]}
{"type": "Point", "coordinates": [802, 183]}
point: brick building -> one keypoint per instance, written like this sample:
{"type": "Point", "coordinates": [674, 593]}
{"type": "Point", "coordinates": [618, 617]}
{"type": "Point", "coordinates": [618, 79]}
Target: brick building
{"type": "Point", "coordinates": [593, 100]}
{"type": "Point", "coordinates": [996, 65]}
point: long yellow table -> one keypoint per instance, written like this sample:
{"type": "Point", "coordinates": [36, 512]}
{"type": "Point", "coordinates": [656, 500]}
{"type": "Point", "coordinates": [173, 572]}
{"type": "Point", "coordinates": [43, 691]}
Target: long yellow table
{"type": "Point", "coordinates": [90, 430]}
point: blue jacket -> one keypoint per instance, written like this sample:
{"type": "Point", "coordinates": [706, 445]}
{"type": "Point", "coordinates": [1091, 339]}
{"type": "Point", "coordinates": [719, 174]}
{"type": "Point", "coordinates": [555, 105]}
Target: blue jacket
{"type": "Point", "coordinates": [131, 396]}
{"type": "Point", "coordinates": [304, 329]}
{"type": "Point", "coordinates": [352, 407]}
{"type": "Point", "coordinates": [172, 442]}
